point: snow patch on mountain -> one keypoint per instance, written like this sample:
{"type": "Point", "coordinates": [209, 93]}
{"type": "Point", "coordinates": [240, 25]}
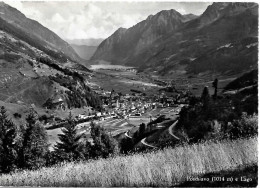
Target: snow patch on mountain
{"type": "Point", "coordinates": [251, 45]}
{"type": "Point", "coordinates": [225, 46]}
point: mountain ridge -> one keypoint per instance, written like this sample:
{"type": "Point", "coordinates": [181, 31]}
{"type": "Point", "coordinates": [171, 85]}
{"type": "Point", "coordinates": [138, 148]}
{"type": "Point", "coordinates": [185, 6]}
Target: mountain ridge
{"type": "Point", "coordinates": [185, 42]}
{"type": "Point", "coordinates": [149, 30]}
{"type": "Point", "coordinates": [32, 27]}
{"type": "Point", "coordinates": [33, 72]}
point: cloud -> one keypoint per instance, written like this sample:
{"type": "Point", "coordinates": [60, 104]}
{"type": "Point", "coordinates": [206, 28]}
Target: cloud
{"type": "Point", "coordinates": [30, 12]}
{"type": "Point", "coordinates": [83, 19]}
{"type": "Point", "coordinates": [181, 10]}
{"type": "Point", "coordinates": [93, 22]}
{"type": "Point", "coordinates": [57, 18]}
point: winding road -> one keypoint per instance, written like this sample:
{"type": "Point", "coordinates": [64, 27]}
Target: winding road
{"type": "Point", "coordinates": [170, 132]}
{"type": "Point", "coordinates": [144, 143]}
{"type": "Point", "coordinates": [128, 135]}
{"type": "Point", "coordinates": [172, 127]}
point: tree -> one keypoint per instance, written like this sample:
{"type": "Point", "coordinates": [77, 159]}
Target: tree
{"type": "Point", "coordinates": [205, 97]}
{"type": "Point", "coordinates": [7, 143]}
{"type": "Point", "coordinates": [193, 100]}
{"type": "Point", "coordinates": [141, 130]}
{"type": "Point", "coordinates": [126, 145]}
{"type": "Point", "coordinates": [215, 85]}
{"type": "Point", "coordinates": [104, 144]}
{"type": "Point", "coordinates": [69, 148]}
{"type": "Point", "coordinates": [34, 146]}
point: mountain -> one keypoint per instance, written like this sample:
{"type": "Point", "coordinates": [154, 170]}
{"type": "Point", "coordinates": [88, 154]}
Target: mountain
{"type": "Point", "coordinates": [84, 51]}
{"type": "Point", "coordinates": [87, 42]}
{"type": "Point", "coordinates": [224, 37]}
{"type": "Point", "coordinates": [125, 43]}
{"type": "Point", "coordinates": [188, 17]}
{"type": "Point", "coordinates": [33, 71]}
{"type": "Point", "coordinates": [35, 29]}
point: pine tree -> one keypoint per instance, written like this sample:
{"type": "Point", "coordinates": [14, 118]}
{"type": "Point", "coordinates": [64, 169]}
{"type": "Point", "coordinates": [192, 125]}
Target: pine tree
{"type": "Point", "coordinates": [69, 147]}
{"type": "Point", "coordinates": [141, 130]}
{"type": "Point", "coordinates": [205, 97]}
{"type": "Point", "coordinates": [7, 143]}
{"type": "Point", "coordinates": [126, 145]}
{"type": "Point", "coordinates": [34, 144]}
{"type": "Point", "coordinates": [215, 86]}
{"type": "Point", "coordinates": [104, 144]}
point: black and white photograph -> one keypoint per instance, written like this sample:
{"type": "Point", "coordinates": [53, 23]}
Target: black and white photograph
{"type": "Point", "coordinates": [128, 93]}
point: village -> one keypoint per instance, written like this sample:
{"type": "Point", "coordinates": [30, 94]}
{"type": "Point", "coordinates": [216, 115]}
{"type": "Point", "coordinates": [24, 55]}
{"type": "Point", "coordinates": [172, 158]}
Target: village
{"type": "Point", "coordinates": [118, 105]}
{"type": "Point", "coordinates": [122, 112]}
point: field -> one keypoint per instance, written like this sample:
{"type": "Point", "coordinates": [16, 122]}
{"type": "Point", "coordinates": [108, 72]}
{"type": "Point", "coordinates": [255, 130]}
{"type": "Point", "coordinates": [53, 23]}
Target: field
{"type": "Point", "coordinates": [117, 78]}
{"type": "Point", "coordinates": [123, 81]}
{"type": "Point", "coordinates": [112, 126]}
{"type": "Point", "coordinates": [168, 167]}
{"type": "Point", "coordinates": [11, 82]}
{"type": "Point", "coordinates": [23, 86]}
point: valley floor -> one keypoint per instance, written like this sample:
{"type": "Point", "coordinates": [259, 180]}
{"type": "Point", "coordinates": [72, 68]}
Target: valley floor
{"type": "Point", "coordinates": [168, 167]}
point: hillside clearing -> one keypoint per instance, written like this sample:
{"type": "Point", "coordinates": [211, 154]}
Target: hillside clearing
{"type": "Point", "coordinates": [166, 167]}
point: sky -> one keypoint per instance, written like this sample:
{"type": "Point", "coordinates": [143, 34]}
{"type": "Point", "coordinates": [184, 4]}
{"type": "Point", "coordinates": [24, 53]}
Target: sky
{"type": "Point", "coordinates": [97, 19]}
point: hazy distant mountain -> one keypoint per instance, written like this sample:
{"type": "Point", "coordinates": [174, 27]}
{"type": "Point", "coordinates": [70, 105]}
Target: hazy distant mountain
{"type": "Point", "coordinates": [188, 17]}
{"type": "Point", "coordinates": [84, 51]}
{"type": "Point", "coordinates": [35, 29]}
{"type": "Point", "coordinates": [223, 38]}
{"type": "Point", "coordinates": [87, 42]}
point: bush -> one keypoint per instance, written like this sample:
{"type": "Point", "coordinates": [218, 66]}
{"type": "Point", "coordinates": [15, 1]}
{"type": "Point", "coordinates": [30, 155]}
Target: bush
{"type": "Point", "coordinates": [244, 127]}
{"type": "Point", "coordinates": [57, 119]}
{"type": "Point", "coordinates": [200, 118]}
{"type": "Point", "coordinates": [43, 118]}
{"type": "Point", "coordinates": [17, 115]}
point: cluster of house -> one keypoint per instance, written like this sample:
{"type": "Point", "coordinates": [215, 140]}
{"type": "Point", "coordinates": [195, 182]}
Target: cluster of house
{"type": "Point", "coordinates": [118, 105]}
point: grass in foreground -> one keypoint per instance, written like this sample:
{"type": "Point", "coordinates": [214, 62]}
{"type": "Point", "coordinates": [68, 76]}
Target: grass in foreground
{"type": "Point", "coordinates": [167, 167]}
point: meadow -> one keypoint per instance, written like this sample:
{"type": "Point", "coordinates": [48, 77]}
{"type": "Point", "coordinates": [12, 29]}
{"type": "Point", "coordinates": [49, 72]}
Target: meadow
{"type": "Point", "coordinates": [167, 167]}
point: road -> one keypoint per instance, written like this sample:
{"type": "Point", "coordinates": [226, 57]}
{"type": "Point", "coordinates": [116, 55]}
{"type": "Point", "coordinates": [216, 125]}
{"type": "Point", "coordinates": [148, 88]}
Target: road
{"type": "Point", "coordinates": [128, 135]}
{"type": "Point", "coordinates": [170, 132]}
{"type": "Point", "coordinates": [171, 128]}
{"type": "Point", "coordinates": [144, 143]}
